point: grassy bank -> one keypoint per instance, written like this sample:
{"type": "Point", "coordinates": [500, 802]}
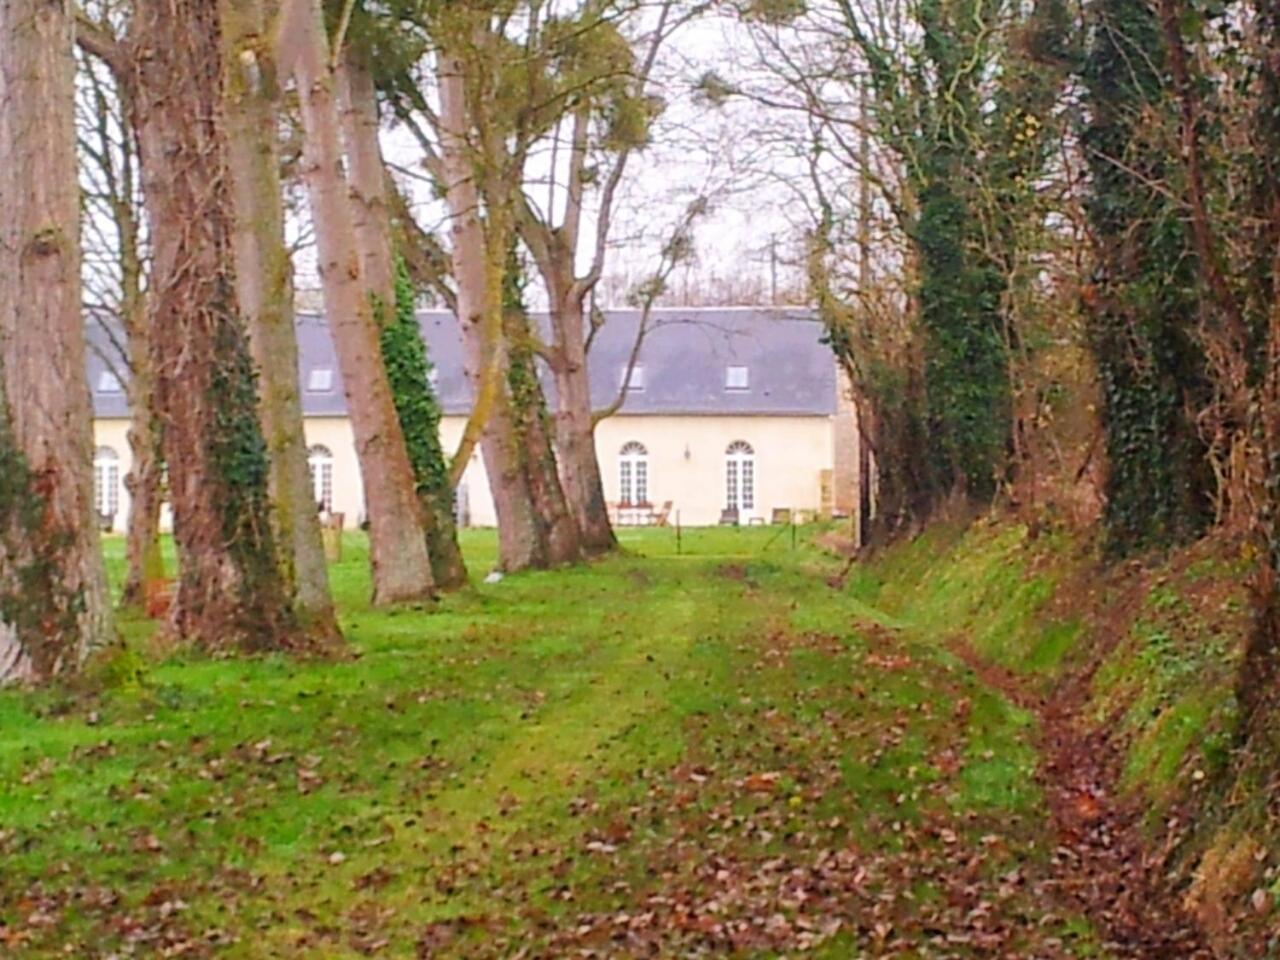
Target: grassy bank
{"type": "Point", "coordinates": [692, 748]}
{"type": "Point", "coordinates": [1160, 642]}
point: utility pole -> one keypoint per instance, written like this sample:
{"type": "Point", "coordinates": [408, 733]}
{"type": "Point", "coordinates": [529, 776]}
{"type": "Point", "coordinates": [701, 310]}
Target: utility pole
{"type": "Point", "coordinates": [773, 269]}
{"type": "Point", "coordinates": [866, 506]}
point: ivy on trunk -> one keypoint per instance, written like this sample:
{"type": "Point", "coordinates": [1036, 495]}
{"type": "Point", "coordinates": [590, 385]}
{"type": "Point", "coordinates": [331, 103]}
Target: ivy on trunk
{"type": "Point", "coordinates": [418, 407]}
{"type": "Point", "coordinates": [1143, 300]}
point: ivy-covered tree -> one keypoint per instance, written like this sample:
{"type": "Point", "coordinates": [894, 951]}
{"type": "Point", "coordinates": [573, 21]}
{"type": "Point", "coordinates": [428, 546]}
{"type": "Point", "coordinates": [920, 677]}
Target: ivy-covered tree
{"type": "Point", "coordinates": [557, 531]}
{"type": "Point", "coordinates": [264, 287]}
{"type": "Point", "coordinates": [1143, 302]}
{"type": "Point", "coordinates": [230, 592]}
{"type": "Point", "coordinates": [392, 297]}
{"type": "Point", "coordinates": [949, 109]}
{"type": "Point", "coordinates": [409, 371]}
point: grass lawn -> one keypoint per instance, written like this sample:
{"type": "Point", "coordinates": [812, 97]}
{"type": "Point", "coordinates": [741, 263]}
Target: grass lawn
{"type": "Point", "coordinates": [702, 753]}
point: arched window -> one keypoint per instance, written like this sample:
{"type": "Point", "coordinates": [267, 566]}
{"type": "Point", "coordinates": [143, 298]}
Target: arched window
{"type": "Point", "coordinates": [320, 463]}
{"type": "Point", "coordinates": [633, 474]}
{"type": "Point", "coordinates": [740, 476]}
{"type": "Point", "coordinates": [106, 485]}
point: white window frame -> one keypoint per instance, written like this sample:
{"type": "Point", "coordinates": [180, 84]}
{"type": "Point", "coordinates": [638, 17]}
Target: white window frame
{"type": "Point", "coordinates": [320, 467]}
{"type": "Point", "coordinates": [636, 382]}
{"type": "Point", "coordinates": [108, 382]}
{"type": "Point", "coordinates": [737, 376]}
{"type": "Point", "coordinates": [633, 474]}
{"type": "Point", "coordinates": [106, 483]}
{"type": "Point", "coordinates": [740, 478]}
{"type": "Point", "coordinates": [320, 380]}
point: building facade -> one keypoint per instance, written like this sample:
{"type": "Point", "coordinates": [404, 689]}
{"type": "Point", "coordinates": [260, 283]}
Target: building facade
{"type": "Point", "coordinates": [725, 414]}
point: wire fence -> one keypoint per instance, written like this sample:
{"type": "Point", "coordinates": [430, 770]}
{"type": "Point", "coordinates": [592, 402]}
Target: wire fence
{"type": "Point", "coordinates": [728, 540]}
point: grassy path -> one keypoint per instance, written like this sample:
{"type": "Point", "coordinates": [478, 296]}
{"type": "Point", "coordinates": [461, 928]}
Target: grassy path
{"type": "Point", "coordinates": [711, 754]}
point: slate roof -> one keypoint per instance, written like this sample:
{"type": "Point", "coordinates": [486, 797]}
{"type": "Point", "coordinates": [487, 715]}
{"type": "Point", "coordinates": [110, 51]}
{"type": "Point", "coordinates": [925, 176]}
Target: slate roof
{"type": "Point", "coordinates": [685, 356]}
{"type": "Point", "coordinates": [105, 379]}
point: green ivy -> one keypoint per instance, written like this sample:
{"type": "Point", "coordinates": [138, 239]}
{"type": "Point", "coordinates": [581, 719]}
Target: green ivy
{"type": "Point", "coordinates": [966, 361]}
{"type": "Point", "coordinates": [1145, 294]}
{"type": "Point", "coordinates": [971, 119]}
{"type": "Point", "coordinates": [528, 401]}
{"type": "Point", "coordinates": [404, 354]}
{"type": "Point", "coordinates": [34, 600]}
{"type": "Point", "coordinates": [237, 452]}
{"type": "Point", "coordinates": [409, 370]}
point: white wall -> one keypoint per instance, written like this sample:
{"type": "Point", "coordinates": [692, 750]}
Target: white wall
{"type": "Point", "coordinates": [348, 490]}
{"type": "Point", "coordinates": [686, 462]}
{"type": "Point", "coordinates": [790, 454]}
{"type": "Point", "coordinates": [114, 433]}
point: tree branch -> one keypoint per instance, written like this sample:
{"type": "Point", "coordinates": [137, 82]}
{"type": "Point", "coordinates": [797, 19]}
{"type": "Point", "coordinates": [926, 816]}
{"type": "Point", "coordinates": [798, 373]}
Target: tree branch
{"type": "Point", "coordinates": [99, 40]}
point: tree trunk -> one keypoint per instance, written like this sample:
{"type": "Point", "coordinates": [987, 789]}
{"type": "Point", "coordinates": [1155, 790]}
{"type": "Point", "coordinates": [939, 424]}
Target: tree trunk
{"type": "Point", "coordinates": [230, 592]}
{"type": "Point", "coordinates": [264, 285]}
{"type": "Point", "coordinates": [575, 426]}
{"type": "Point", "coordinates": [478, 275]}
{"type": "Point", "coordinates": [366, 173]}
{"type": "Point", "coordinates": [479, 252]}
{"type": "Point", "coordinates": [54, 607]}
{"type": "Point", "coordinates": [866, 484]}
{"type": "Point", "coordinates": [145, 566]}
{"type": "Point", "coordinates": [144, 574]}
{"type": "Point", "coordinates": [521, 541]}
{"type": "Point", "coordinates": [1255, 683]}
{"type": "Point", "coordinates": [405, 354]}
{"type": "Point", "coordinates": [397, 549]}
{"type": "Point", "coordinates": [555, 524]}
{"type": "Point", "coordinates": [368, 181]}
{"type": "Point", "coordinates": [555, 251]}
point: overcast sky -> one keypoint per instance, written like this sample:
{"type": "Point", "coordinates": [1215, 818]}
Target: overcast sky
{"type": "Point", "coordinates": [696, 151]}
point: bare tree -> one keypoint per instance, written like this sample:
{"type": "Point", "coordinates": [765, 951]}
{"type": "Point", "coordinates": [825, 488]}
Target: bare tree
{"type": "Point", "coordinates": [608, 117]}
{"type": "Point", "coordinates": [116, 300]}
{"type": "Point", "coordinates": [473, 166]}
{"type": "Point", "coordinates": [398, 552]}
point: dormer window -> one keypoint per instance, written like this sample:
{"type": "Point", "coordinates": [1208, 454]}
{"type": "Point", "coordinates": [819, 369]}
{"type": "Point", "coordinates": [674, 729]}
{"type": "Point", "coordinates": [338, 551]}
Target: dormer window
{"type": "Point", "coordinates": [737, 378]}
{"type": "Point", "coordinates": [320, 380]}
{"type": "Point", "coordinates": [108, 382]}
{"type": "Point", "coordinates": [635, 383]}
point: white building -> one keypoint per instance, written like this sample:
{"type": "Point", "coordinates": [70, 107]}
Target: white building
{"type": "Point", "coordinates": [726, 410]}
